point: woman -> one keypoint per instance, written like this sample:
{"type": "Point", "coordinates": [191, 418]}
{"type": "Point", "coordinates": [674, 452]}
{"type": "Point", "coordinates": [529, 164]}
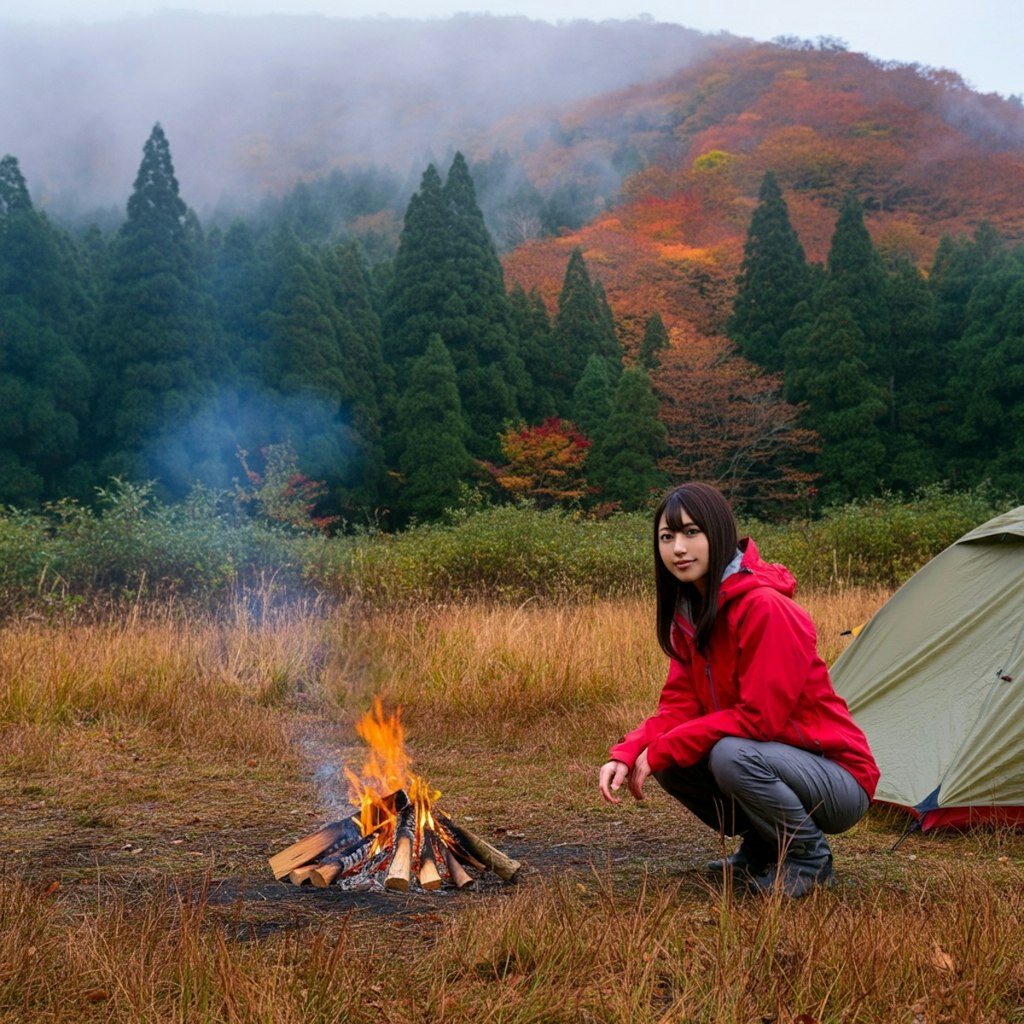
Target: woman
{"type": "Point", "coordinates": [749, 734]}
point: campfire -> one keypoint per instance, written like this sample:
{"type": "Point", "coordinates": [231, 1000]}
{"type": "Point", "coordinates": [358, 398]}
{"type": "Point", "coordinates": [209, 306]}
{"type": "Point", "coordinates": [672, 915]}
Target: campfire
{"type": "Point", "coordinates": [393, 835]}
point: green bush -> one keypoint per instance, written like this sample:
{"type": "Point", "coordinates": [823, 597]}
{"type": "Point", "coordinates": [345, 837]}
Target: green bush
{"type": "Point", "coordinates": [508, 553]}
{"type": "Point", "coordinates": [132, 548]}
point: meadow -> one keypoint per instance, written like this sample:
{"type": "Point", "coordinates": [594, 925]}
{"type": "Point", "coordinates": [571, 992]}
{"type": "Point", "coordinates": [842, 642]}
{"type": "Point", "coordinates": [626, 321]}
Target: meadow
{"type": "Point", "coordinates": [152, 758]}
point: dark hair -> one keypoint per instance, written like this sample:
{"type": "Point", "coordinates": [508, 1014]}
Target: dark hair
{"type": "Point", "coordinates": [708, 508]}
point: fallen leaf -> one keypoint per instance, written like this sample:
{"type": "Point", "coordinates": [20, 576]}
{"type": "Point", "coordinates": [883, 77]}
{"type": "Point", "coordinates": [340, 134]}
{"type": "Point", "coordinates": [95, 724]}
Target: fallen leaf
{"type": "Point", "coordinates": [51, 888]}
{"type": "Point", "coordinates": [95, 995]}
{"type": "Point", "coordinates": [941, 959]}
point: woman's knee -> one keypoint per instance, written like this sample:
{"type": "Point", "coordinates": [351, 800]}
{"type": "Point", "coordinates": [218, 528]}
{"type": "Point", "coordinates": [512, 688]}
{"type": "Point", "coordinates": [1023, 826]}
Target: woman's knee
{"type": "Point", "coordinates": [730, 760]}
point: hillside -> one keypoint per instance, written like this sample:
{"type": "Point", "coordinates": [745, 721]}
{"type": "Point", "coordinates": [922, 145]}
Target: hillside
{"type": "Point", "coordinates": [926, 155]}
{"type": "Point", "coordinates": [254, 104]}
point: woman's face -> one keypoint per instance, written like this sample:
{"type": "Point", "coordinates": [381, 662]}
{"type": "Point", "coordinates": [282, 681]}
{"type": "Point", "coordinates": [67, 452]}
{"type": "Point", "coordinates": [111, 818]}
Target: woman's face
{"type": "Point", "coordinates": [684, 551]}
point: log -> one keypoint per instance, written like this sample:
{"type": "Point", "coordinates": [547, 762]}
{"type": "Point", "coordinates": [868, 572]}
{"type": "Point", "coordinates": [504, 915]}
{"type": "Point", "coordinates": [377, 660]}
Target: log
{"type": "Point", "coordinates": [324, 873]}
{"type": "Point", "coordinates": [308, 849]}
{"type": "Point", "coordinates": [428, 875]}
{"type": "Point", "coordinates": [333, 837]}
{"type": "Point", "coordinates": [459, 875]}
{"type": "Point", "coordinates": [400, 872]}
{"type": "Point", "coordinates": [301, 875]}
{"type": "Point", "coordinates": [490, 857]}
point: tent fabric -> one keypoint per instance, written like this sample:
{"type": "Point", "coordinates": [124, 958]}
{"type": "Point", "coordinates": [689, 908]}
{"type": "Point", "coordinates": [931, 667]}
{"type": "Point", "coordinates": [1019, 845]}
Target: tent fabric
{"type": "Point", "coordinates": [936, 681]}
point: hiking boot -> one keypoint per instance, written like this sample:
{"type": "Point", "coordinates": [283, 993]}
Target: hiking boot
{"type": "Point", "coordinates": [751, 859]}
{"type": "Point", "coordinates": [796, 876]}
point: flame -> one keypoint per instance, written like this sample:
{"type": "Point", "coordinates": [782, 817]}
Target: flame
{"type": "Point", "coordinates": [386, 773]}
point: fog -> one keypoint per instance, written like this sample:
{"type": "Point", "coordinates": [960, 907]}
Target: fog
{"type": "Point", "coordinates": [251, 105]}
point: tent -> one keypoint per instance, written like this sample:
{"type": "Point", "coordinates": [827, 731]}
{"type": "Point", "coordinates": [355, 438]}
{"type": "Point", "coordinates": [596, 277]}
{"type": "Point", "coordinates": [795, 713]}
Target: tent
{"type": "Point", "coordinates": [936, 681]}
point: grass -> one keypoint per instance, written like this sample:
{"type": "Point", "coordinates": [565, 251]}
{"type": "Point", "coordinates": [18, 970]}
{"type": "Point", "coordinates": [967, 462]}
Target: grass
{"type": "Point", "coordinates": [149, 766]}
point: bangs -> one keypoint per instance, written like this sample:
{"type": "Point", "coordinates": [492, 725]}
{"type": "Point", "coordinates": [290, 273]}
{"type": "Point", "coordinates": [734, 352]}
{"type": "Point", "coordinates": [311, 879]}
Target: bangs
{"type": "Point", "coordinates": [673, 514]}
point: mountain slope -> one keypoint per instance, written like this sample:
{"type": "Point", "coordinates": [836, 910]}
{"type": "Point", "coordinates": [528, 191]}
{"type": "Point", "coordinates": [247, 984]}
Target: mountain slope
{"type": "Point", "coordinates": [926, 155]}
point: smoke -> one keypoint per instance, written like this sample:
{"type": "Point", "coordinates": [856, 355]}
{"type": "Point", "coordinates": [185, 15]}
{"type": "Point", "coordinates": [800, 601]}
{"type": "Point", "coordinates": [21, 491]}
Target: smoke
{"type": "Point", "coordinates": [253, 105]}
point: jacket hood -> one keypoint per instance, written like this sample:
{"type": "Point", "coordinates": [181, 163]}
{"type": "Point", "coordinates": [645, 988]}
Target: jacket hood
{"type": "Point", "coordinates": [752, 572]}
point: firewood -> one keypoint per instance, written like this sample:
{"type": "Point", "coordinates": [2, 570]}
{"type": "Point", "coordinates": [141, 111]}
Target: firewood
{"type": "Point", "coordinates": [324, 873]}
{"type": "Point", "coordinates": [429, 877]}
{"type": "Point", "coordinates": [501, 864]}
{"type": "Point", "coordinates": [459, 875]}
{"type": "Point", "coordinates": [301, 875]}
{"type": "Point", "coordinates": [308, 849]}
{"type": "Point", "coordinates": [400, 873]}
{"type": "Point", "coordinates": [334, 836]}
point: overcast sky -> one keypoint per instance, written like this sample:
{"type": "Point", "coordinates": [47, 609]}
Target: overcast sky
{"type": "Point", "coordinates": [982, 40]}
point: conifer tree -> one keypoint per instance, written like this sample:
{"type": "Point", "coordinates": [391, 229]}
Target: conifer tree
{"type": "Point", "coordinates": [654, 342]}
{"type": "Point", "coordinates": [592, 399]}
{"type": "Point", "coordinates": [771, 282]}
{"type": "Point", "coordinates": [986, 388]}
{"type": "Point", "coordinates": [154, 348]}
{"type": "Point", "coordinates": [447, 280]}
{"type": "Point", "coordinates": [583, 327]}
{"type": "Point", "coordinates": [624, 461]}
{"type": "Point", "coordinates": [531, 325]}
{"type": "Point", "coordinates": [44, 384]}
{"type": "Point", "coordinates": [434, 463]}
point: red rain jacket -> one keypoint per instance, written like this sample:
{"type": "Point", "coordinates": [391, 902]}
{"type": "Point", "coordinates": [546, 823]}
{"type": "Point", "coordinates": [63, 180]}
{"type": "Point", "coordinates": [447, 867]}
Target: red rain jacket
{"type": "Point", "coordinates": [761, 678]}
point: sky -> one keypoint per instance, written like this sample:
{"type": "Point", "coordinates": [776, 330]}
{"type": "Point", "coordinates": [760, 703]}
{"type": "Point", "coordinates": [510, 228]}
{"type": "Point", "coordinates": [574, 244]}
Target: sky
{"type": "Point", "coordinates": [980, 40]}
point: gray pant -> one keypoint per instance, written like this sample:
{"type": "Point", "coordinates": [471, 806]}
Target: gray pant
{"type": "Point", "coordinates": [780, 796]}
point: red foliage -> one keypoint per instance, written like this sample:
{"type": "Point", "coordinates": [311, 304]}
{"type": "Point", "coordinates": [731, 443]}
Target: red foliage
{"type": "Point", "coordinates": [544, 462]}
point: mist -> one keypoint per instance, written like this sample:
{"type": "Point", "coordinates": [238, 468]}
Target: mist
{"type": "Point", "coordinates": [253, 105]}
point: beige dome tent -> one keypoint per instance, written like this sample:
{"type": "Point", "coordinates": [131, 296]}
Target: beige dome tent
{"type": "Point", "coordinates": [936, 681]}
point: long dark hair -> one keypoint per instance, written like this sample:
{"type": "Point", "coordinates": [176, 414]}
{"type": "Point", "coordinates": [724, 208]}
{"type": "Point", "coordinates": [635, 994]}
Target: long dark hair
{"type": "Point", "coordinates": [708, 508]}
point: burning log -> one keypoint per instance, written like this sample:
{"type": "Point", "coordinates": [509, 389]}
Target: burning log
{"type": "Point", "coordinates": [459, 875]}
{"type": "Point", "coordinates": [488, 856]}
{"type": "Point", "coordinates": [386, 842]}
{"type": "Point", "coordinates": [324, 873]}
{"type": "Point", "coordinates": [400, 872]}
{"type": "Point", "coordinates": [309, 849]}
{"type": "Point", "coordinates": [429, 877]}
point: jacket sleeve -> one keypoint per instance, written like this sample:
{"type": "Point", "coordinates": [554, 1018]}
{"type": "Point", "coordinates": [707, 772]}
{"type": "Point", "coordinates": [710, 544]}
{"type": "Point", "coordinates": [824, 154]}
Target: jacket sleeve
{"type": "Point", "coordinates": [776, 649]}
{"type": "Point", "coordinates": [678, 703]}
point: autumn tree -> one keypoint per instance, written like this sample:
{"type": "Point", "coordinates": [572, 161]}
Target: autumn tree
{"type": "Point", "coordinates": [544, 463]}
{"type": "Point", "coordinates": [728, 424]}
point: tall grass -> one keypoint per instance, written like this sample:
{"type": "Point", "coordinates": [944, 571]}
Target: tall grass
{"type": "Point", "coordinates": [566, 951]}
{"type": "Point", "coordinates": [514, 706]}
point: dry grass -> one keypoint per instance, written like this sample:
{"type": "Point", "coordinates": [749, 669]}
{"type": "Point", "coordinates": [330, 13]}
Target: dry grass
{"type": "Point", "coordinates": [148, 767]}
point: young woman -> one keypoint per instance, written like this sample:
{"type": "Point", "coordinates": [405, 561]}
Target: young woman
{"type": "Point", "coordinates": [749, 734]}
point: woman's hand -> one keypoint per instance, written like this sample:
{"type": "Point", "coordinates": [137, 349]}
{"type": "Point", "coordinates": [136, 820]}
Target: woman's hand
{"type": "Point", "coordinates": [638, 776]}
{"type": "Point", "coordinates": [613, 774]}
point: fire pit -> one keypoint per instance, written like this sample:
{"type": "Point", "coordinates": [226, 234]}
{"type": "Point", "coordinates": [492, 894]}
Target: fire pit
{"type": "Point", "coordinates": [393, 836]}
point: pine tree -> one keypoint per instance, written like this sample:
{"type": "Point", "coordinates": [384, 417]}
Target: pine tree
{"type": "Point", "coordinates": [44, 384]}
{"type": "Point", "coordinates": [986, 389]}
{"type": "Point", "coordinates": [654, 342]}
{"type": "Point", "coordinates": [434, 463]}
{"type": "Point", "coordinates": [583, 327]}
{"type": "Point", "coordinates": [624, 461]}
{"type": "Point", "coordinates": [447, 280]}
{"type": "Point", "coordinates": [771, 283]}
{"type": "Point", "coordinates": [154, 347]}
{"type": "Point", "coordinates": [593, 397]}
{"type": "Point", "coordinates": [531, 325]}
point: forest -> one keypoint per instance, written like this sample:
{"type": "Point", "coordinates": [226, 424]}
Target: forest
{"type": "Point", "coordinates": [767, 311]}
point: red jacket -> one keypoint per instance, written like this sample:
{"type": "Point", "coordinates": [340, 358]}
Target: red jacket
{"type": "Point", "coordinates": [761, 678]}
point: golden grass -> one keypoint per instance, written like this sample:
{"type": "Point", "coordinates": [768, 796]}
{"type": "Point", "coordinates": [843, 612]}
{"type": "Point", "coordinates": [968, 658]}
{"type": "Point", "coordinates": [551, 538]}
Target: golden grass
{"type": "Point", "coordinates": [144, 764]}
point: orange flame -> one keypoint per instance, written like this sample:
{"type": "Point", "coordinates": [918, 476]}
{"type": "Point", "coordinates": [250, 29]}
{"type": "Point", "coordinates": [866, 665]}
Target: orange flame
{"type": "Point", "coordinates": [385, 772]}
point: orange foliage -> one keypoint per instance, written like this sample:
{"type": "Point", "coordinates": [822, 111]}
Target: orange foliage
{"type": "Point", "coordinates": [728, 425]}
{"type": "Point", "coordinates": [544, 463]}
